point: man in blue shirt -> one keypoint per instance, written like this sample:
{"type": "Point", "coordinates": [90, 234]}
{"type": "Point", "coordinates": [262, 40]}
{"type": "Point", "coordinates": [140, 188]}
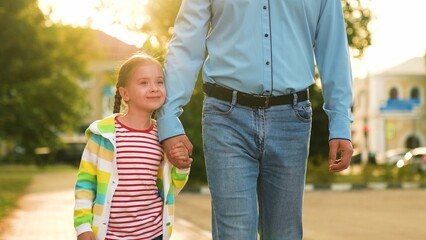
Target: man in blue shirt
{"type": "Point", "coordinates": [260, 61]}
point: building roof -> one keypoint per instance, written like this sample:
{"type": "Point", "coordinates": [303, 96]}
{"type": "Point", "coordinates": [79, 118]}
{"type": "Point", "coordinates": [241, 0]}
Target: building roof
{"type": "Point", "coordinates": [412, 67]}
{"type": "Point", "coordinates": [113, 48]}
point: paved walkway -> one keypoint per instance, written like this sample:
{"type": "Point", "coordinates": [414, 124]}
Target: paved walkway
{"type": "Point", "coordinates": [46, 213]}
{"type": "Point", "coordinates": [48, 216]}
{"type": "Point", "coordinates": [42, 216]}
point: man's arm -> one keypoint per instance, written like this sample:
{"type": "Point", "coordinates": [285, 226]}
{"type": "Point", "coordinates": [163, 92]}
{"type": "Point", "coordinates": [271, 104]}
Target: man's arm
{"type": "Point", "coordinates": [333, 60]}
{"type": "Point", "coordinates": [182, 65]}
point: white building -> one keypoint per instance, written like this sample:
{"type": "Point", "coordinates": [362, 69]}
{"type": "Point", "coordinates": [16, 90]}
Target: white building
{"type": "Point", "coordinates": [390, 108]}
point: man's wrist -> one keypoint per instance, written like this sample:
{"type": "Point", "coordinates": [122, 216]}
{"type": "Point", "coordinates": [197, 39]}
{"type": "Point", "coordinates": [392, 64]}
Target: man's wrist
{"type": "Point", "coordinates": [171, 137]}
{"type": "Point", "coordinates": [340, 139]}
{"type": "Point", "coordinates": [169, 127]}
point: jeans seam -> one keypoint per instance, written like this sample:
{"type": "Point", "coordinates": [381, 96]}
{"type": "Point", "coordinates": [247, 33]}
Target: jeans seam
{"type": "Point", "coordinates": [260, 204]}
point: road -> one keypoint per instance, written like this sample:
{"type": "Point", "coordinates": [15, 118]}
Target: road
{"type": "Point", "coordinates": [328, 215]}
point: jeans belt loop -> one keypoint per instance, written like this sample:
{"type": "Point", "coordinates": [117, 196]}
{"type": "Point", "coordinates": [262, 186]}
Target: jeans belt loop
{"type": "Point", "coordinates": [294, 98]}
{"type": "Point", "coordinates": [266, 102]}
{"type": "Point", "coordinates": [234, 97]}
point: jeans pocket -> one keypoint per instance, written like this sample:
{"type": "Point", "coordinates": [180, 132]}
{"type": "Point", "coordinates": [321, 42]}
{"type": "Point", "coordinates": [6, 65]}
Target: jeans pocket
{"type": "Point", "coordinates": [216, 107]}
{"type": "Point", "coordinates": [303, 111]}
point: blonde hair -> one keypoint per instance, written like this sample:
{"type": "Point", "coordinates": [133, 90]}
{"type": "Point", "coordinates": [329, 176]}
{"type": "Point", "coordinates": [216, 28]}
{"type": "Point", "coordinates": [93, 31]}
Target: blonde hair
{"type": "Point", "coordinates": [126, 71]}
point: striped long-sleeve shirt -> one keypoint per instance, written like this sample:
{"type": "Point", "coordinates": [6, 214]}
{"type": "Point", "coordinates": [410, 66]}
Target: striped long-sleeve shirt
{"type": "Point", "coordinates": [136, 206]}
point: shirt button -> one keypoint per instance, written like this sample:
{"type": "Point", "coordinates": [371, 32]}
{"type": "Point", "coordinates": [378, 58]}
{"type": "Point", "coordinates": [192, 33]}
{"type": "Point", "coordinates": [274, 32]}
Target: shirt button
{"type": "Point", "coordinates": [267, 63]}
{"type": "Point", "coordinates": [264, 7]}
{"type": "Point", "coordinates": [266, 35]}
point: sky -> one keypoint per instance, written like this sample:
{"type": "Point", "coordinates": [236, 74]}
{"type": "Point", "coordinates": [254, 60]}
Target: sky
{"type": "Point", "coordinates": [398, 33]}
{"type": "Point", "coordinates": [76, 13]}
{"type": "Point", "coordinates": [398, 29]}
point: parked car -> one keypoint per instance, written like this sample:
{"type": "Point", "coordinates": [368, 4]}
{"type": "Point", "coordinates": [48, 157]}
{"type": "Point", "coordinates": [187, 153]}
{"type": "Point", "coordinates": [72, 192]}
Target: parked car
{"type": "Point", "coordinates": [391, 156]}
{"type": "Point", "coordinates": [70, 153]}
{"type": "Point", "coordinates": [414, 159]}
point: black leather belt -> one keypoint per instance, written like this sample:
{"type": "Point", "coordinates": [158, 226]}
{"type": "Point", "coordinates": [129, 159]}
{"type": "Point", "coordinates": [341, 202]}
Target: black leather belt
{"type": "Point", "coordinates": [256, 101]}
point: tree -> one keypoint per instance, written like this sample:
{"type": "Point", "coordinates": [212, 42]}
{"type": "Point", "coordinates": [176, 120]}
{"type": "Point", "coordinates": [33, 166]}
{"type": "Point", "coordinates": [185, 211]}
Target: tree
{"type": "Point", "coordinates": [39, 94]}
{"type": "Point", "coordinates": [357, 18]}
{"type": "Point", "coordinates": [163, 14]}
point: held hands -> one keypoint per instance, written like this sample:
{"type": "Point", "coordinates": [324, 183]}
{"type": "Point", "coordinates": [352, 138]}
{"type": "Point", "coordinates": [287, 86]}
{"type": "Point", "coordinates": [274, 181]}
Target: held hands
{"type": "Point", "coordinates": [180, 154]}
{"type": "Point", "coordinates": [179, 151]}
{"type": "Point", "coordinates": [346, 150]}
{"type": "Point", "coordinates": [86, 236]}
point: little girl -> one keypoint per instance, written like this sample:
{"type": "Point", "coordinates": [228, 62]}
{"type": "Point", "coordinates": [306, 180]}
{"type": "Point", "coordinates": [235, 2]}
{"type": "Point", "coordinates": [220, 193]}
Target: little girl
{"type": "Point", "coordinates": [125, 186]}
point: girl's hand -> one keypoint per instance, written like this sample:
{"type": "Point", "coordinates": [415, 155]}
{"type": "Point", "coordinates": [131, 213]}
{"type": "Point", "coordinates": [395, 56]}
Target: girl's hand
{"type": "Point", "coordinates": [86, 236]}
{"type": "Point", "coordinates": [180, 153]}
{"type": "Point", "coordinates": [169, 144]}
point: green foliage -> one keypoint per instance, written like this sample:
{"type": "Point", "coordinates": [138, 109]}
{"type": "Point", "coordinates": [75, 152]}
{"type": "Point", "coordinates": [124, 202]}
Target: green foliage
{"type": "Point", "coordinates": [163, 14]}
{"type": "Point", "coordinates": [317, 171]}
{"type": "Point", "coordinates": [39, 94]}
{"type": "Point", "coordinates": [363, 175]}
{"type": "Point", "coordinates": [13, 182]}
{"type": "Point", "coordinates": [191, 119]}
{"type": "Point", "coordinates": [405, 174]}
{"type": "Point", "coordinates": [357, 18]}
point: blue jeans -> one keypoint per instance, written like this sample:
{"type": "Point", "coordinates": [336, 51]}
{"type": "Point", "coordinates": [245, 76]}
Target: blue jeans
{"type": "Point", "coordinates": [256, 166]}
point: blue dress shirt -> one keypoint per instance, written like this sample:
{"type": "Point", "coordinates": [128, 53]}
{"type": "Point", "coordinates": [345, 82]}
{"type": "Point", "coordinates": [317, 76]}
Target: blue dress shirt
{"type": "Point", "coordinates": [261, 47]}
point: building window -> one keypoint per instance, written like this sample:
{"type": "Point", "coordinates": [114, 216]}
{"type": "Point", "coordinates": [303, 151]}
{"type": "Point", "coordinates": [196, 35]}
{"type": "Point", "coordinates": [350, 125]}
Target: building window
{"type": "Point", "coordinates": [108, 98]}
{"type": "Point", "coordinates": [414, 94]}
{"type": "Point", "coordinates": [393, 94]}
{"type": "Point", "coordinates": [412, 142]}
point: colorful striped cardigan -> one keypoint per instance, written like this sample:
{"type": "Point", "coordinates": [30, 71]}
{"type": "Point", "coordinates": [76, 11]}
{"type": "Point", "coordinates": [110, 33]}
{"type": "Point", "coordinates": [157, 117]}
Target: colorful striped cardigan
{"type": "Point", "coordinates": [97, 180]}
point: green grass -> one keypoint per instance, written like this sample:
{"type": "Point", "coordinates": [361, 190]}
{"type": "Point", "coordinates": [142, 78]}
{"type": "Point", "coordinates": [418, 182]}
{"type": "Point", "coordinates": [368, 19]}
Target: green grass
{"type": "Point", "coordinates": [15, 180]}
{"type": "Point", "coordinates": [363, 174]}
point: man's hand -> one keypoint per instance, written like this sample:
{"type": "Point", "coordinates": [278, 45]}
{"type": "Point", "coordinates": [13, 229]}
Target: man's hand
{"type": "Point", "coordinates": [179, 152]}
{"type": "Point", "coordinates": [346, 150]}
{"type": "Point", "coordinates": [171, 143]}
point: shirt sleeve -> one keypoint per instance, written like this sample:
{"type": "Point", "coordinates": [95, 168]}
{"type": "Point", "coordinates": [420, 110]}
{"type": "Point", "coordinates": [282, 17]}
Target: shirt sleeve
{"type": "Point", "coordinates": [333, 61]}
{"type": "Point", "coordinates": [183, 62]}
{"type": "Point", "coordinates": [85, 188]}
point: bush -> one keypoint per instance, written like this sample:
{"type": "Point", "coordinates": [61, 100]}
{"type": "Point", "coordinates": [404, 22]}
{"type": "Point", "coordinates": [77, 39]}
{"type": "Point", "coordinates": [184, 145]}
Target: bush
{"type": "Point", "coordinates": [317, 171]}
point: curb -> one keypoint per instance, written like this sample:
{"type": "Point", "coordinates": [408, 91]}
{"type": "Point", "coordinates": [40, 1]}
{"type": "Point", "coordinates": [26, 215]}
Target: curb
{"type": "Point", "coordinates": [368, 186]}
{"type": "Point", "coordinates": [336, 187]}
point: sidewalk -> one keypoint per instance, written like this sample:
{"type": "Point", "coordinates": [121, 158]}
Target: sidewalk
{"type": "Point", "coordinates": [48, 215]}
{"type": "Point", "coordinates": [42, 216]}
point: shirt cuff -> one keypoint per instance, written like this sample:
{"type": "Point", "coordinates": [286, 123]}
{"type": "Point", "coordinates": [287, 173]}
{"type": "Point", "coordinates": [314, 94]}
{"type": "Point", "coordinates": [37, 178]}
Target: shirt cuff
{"type": "Point", "coordinates": [169, 127]}
{"type": "Point", "coordinates": [85, 227]}
{"type": "Point", "coordinates": [340, 129]}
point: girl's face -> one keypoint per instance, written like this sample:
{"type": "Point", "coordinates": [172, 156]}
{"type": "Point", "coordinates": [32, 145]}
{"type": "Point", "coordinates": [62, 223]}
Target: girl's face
{"type": "Point", "coordinates": [145, 90]}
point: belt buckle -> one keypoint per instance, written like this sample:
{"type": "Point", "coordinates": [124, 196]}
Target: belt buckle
{"type": "Point", "coordinates": [266, 101]}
